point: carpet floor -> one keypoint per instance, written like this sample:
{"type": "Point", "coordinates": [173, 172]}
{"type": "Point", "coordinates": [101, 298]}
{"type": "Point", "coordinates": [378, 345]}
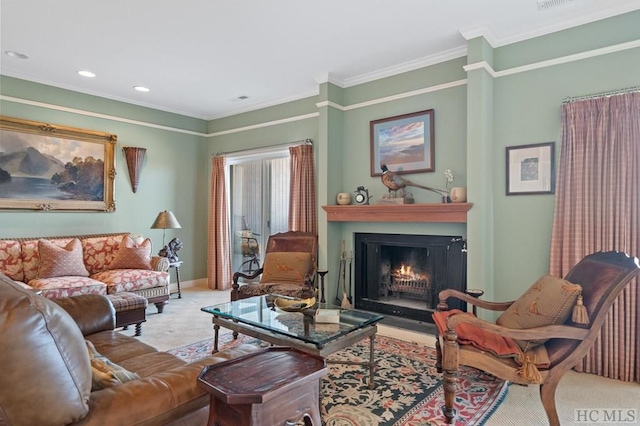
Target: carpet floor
{"type": "Point", "coordinates": [182, 323]}
{"type": "Point", "coordinates": [408, 390]}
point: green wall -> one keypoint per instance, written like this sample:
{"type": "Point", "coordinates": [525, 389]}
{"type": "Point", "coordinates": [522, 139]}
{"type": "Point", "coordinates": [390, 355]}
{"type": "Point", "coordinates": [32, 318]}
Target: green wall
{"type": "Point", "coordinates": [484, 110]}
{"type": "Point", "coordinates": [169, 179]}
{"type": "Point", "coordinates": [527, 109]}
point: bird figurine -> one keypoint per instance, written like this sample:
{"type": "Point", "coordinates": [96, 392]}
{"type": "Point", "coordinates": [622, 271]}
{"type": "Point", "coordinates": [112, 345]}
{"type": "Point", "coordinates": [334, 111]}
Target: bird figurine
{"type": "Point", "coordinates": [397, 184]}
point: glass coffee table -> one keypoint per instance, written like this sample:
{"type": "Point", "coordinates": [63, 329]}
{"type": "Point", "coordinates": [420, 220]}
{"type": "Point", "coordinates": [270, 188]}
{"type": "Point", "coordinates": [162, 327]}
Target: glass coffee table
{"type": "Point", "coordinates": [258, 317]}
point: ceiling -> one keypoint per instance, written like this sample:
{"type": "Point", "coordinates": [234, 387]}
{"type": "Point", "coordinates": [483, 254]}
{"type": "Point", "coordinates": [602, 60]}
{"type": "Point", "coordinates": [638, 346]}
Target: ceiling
{"type": "Point", "coordinates": [198, 57]}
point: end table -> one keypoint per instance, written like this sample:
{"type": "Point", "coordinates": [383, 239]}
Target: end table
{"type": "Point", "coordinates": [275, 386]}
{"type": "Point", "coordinates": [177, 266]}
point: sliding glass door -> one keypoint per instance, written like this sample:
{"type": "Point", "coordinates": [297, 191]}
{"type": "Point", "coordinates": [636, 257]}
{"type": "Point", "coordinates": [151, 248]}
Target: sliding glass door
{"type": "Point", "coordinates": [259, 188]}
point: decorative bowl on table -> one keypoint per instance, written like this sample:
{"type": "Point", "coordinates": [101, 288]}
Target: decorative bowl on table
{"type": "Point", "coordinates": [294, 305]}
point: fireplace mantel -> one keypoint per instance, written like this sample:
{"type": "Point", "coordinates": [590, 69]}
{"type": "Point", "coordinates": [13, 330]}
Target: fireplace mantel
{"type": "Point", "coordinates": [440, 212]}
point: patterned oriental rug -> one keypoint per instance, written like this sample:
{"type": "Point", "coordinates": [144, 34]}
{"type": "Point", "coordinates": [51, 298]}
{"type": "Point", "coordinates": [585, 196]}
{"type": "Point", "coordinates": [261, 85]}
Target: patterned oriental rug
{"type": "Point", "coordinates": [408, 389]}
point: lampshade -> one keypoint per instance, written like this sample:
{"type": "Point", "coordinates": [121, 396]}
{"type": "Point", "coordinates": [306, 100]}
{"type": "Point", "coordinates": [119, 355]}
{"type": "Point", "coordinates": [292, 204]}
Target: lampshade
{"type": "Point", "coordinates": [166, 220]}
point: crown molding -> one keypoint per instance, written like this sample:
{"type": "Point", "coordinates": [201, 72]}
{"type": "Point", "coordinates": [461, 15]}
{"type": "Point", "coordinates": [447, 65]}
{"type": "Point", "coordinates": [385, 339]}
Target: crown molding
{"type": "Point", "coordinates": [448, 55]}
{"type": "Point", "coordinates": [565, 24]}
{"type": "Point", "coordinates": [265, 124]}
{"type": "Point", "coordinates": [471, 33]}
{"type": "Point", "coordinates": [329, 78]}
{"type": "Point", "coordinates": [97, 115]}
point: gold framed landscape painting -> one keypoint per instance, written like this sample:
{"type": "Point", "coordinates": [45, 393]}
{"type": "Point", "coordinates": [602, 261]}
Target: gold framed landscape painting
{"type": "Point", "coordinates": [404, 143]}
{"type": "Point", "coordinates": [55, 168]}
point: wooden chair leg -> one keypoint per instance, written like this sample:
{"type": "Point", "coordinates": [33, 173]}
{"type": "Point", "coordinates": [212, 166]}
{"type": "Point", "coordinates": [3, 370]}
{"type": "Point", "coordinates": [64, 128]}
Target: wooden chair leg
{"type": "Point", "coordinates": [548, 397]}
{"type": "Point", "coordinates": [450, 374]}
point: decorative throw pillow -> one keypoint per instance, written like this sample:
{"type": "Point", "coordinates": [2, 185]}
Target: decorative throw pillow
{"type": "Point", "coordinates": [61, 261]}
{"type": "Point", "coordinates": [131, 255]}
{"type": "Point", "coordinates": [548, 301]}
{"type": "Point", "coordinates": [104, 372]}
{"type": "Point", "coordinates": [286, 267]}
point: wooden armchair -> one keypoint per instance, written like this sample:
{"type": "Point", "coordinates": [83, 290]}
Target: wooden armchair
{"type": "Point", "coordinates": [601, 275]}
{"type": "Point", "coordinates": [289, 268]}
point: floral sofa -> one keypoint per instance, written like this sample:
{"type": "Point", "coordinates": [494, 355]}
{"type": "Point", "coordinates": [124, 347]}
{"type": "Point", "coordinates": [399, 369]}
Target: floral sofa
{"type": "Point", "coordinates": [59, 267]}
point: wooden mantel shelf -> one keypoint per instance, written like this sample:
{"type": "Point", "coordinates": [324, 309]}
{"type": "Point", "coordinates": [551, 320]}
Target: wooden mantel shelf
{"type": "Point", "coordinates": [441, 212]}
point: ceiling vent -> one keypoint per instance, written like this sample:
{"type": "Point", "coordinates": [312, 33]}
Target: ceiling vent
{"type": "Point", "coordinates": [548, 4]}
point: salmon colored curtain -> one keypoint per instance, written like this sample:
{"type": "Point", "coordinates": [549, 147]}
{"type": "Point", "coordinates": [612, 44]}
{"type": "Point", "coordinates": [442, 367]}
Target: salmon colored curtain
{"type": "Point", "coordinates": [303, 207]}
{"type": "Point", "coordinates": [219, 262]}
{"type": "Point", "coordinates": [597, 205]}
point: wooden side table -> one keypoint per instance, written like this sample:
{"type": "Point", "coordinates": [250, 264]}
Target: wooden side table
{"type": "Point", "coordinates": [177, 266]}
{"type": "Point", "coordinates": [276, 386]}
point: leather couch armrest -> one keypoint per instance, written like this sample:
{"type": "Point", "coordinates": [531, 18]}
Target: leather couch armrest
{"type": "Point", "coordinates": [92, 312]}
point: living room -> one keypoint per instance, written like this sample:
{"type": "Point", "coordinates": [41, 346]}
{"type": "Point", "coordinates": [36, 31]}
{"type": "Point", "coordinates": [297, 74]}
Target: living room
{"type": "Point", "coordinates": [486, 97]}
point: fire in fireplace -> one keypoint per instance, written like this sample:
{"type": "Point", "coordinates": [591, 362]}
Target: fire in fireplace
{"type": "Point", "coordinates": [401, 275]}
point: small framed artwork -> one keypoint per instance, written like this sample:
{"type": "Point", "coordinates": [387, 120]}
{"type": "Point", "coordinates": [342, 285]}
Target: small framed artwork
{"type": "Point", "coordinates": [531, 169]}
{"type": "Point", "coordinates": [55, 168]}
{"type": "Point", "coordinates": [404, 143]}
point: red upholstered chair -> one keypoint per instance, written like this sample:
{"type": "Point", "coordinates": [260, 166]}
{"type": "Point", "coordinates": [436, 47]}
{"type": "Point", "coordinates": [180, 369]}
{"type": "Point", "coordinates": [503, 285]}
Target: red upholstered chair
{"type": "Point", "coordinates": [602, 277]}
{"type": "Point", "coordinates": [289, 268]}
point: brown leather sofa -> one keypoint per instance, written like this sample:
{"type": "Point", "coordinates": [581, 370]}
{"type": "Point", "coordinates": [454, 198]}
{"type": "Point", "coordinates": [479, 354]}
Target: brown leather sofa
{"type": "Point", "coordinates": [46, 374]}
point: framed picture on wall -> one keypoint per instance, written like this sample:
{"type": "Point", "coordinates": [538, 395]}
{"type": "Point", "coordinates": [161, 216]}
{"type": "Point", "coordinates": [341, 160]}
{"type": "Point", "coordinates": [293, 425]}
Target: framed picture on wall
{"type": "Point", "coordinates": [55, 168]}
{"type": "Point", "coordinates": [531, 169]}
{"type": "Point", "coordinates": [405, 143]}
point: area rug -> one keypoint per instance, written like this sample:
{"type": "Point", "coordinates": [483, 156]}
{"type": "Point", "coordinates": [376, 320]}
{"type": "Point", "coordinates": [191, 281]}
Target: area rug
{"type": "Point", "coordinates": [408, 389]}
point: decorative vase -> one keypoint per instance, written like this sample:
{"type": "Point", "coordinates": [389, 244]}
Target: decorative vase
{"type": "Point", "coordinates": [343, 198]}
{"type": "Point", "coordinates": [459, 194]}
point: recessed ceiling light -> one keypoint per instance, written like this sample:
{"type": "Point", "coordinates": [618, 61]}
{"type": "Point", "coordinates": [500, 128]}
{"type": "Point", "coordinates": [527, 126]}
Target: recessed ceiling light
{"type": "Point", "coordinates": [86, 73]}
{"type": "Point", "coordinates": [141, 88]}
{"type": "Point", "coordinates": [17, 55]}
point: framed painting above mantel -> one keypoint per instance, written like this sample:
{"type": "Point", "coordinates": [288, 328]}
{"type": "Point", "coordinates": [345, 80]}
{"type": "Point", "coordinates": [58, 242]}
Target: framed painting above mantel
{"type": "Point", "coordinates": [55, 168]}
{"type": "Point", "coordinates": [405, 143]}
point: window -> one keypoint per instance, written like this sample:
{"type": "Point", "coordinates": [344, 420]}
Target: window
{"type": "Point", "coordinates": [259, 202]}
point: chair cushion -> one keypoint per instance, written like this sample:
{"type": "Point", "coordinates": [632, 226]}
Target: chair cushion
{"type": "Point", "coordinates": [287, 267]}
{"type": "Point", "coordinates": [548, 301]}
{"type": "Point", "coordinates": [59, 287]}
{"type": "Point", "coordinates": [58, 261]}
{"type": "Point", "coordinates": [131, 255]}
{"type": "Point", "coordinates": [119, 280]}
{"type": "Point", "coordinates": [499, 346]}
{"type": "Point", "coordinates": [291, 290]}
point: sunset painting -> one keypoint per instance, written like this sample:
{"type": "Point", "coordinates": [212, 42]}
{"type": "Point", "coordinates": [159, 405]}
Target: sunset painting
{"type": "Point", "coordinates": [403, 143]}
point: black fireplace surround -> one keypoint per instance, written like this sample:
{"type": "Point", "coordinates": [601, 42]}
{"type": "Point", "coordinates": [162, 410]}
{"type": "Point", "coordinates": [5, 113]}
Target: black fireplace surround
{"type": "Point", "coordinates": [401, 275]}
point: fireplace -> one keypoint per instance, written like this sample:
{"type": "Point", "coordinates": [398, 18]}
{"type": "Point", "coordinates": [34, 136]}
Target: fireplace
{"type": "Point", "coordinates": [401, 275]}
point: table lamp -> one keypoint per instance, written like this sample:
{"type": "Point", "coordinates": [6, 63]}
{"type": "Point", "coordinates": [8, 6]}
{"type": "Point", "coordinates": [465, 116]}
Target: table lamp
{"type": "Point", "coordinates": [165, 220]}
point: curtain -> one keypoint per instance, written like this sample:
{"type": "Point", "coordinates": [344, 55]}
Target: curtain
{"type": "Point", "coordinates": [597, 205]}
{"type": "Point", "coordinates": [219, 264]}
{"type": "Point", "coordinates": [303, 211]}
